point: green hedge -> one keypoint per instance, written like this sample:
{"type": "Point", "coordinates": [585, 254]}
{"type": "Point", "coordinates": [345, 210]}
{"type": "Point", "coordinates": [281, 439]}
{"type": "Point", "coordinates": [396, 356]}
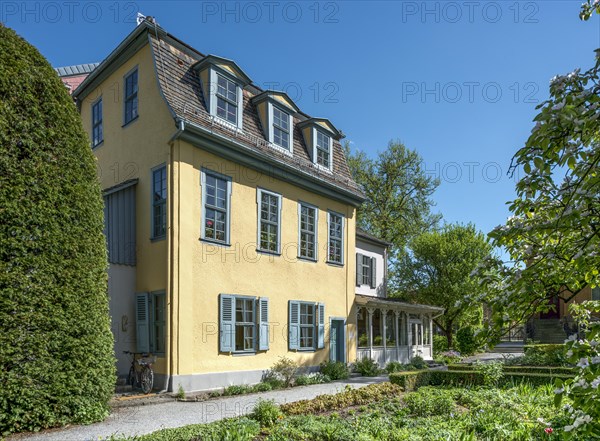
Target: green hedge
{"type": "Point", "coordinates": [413, 380]}
{"type": "Point", "coordinates": [56, 347]}
{"type": "Point", "coordinates": [518, 369]}
{"type": "Point", "coordinates": [542, 348]}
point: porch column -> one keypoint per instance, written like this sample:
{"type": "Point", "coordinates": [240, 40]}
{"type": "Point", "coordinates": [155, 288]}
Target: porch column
{"type": "Point", "coordinates": [431, 335]}
{"type": "Point", "coordinates": [383, 314]}
{"type": "Point", "coordinates": [397, 317]}
{"type": "Point", "coordinates": [408, 335]}
{"type": "Point", "coordinates": [370, 312]}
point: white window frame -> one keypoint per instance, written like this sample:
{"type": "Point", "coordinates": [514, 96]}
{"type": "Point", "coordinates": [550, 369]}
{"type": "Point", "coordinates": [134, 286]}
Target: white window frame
{"type": "Point", "coordinates": [259, 193]}
{"type": "Point", "coordinates": [271, 122]}
{"type": "Point", "coordinates": [315, 150]}
{"type": "Point", "coordinates": [228, 180]}
{"type": "Point", "coordinates": [214, 73]}
{"type": "Point", "coordinates": [316, 232]}
{"type": "Point", "coordinates": [329, 215]}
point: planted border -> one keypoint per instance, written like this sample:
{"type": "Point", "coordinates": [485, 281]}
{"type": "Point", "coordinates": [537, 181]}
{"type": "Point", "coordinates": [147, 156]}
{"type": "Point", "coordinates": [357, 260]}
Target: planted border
{"type": "Point", "coordinates": [552, 370]}
{"type": "Point", "coordinates": [413, 380]}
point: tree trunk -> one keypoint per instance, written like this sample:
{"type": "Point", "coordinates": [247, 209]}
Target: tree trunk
{"type": "Point", "coordinates": [449, 336]}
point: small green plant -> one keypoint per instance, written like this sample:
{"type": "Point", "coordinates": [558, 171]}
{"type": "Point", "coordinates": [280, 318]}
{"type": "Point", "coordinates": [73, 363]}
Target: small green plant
{"type": "Point", "coordinates": [378, 340]}
{"type": "Point", "coordinates": [237, 389]}
{"type": "Point", "coordinates": [418, 363]}
{"type": "Point", "coordinates": [492, 372]}
{"type": "Point", "coordinates": [429, 401]}
{"type": "Point", "coordinates": [180, 393]}
{"type": "Point", "coordinates": [335, 370]}
{"type": "Point", "coordinates": [266, 412]}
{"type": "Point", "coordinates": [314, 378]}
{"type": "Point", "coordinates": [367, 367]}
{"type": "Point", "coordinates": [282, 373]}
{"type": "Point", "coordinates": [262, 387]}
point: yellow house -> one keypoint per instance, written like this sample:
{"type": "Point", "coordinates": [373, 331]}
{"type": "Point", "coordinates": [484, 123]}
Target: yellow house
{"type": "Point", "coordinates": [230, 216]}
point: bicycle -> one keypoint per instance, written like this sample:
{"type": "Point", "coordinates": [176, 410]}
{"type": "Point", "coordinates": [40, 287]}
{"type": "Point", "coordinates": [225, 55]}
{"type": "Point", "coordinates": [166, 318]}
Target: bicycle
{"type": "Point", "coordinates": [140, 372]}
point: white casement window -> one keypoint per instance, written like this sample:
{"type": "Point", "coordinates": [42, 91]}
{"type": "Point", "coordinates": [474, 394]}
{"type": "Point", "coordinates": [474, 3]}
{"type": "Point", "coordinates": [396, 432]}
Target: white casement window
{"type": "Point", "coordinates": [335, 240]}
{"type": "Point", "coordinates": [97, 128]}
{"type": "Point", "coordinates": [366, 270]}
{"type": "Point", "coordinates": [159, 202]}
{"type": "Point", "coordinates": [131, 97]}
{"type": "Point", "coordinates": [323, 148]}
{"type": "Point", "coordinates": [227, 100]}
{"type": "Point", "coordinates": [243, 323]}
{"type": "Point", "coordinates": [306, 325]}
{"type": "Point", "coordinates": [216, 206]}
{"type": "Point", "coordinates": [307, 231]}
{"type": "Point", "coordinates": [269, 221]}
{"type": "Point", "coordinates": [281, 127]}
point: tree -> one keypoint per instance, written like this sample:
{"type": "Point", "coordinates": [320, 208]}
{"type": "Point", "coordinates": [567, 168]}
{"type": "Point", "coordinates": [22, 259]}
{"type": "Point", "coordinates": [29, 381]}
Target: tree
{"type": "Point", "coordinates": [56, 347]}
{"type": "Point", "coordinates": [398, 197]}
{"type": "Point", "coordinates": [554, 236]}
{"type": "Point", "coordinates": [439, 272]}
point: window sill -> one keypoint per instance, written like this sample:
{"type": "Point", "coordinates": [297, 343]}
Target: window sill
{"type": "Point", "coordinates": [158, 238]}
{"type": "Point", "coordinates": [281, 149]}
{"type": "Point", "coordinates": [338, 264]}
{"type": "Point", "coordinates": [307, 259]}
{"type": "Point", "coordinates": [270, 253]}
{"type": "Point", "coordinates": [323, 168]}
{"type": "Point", "coordinates": [130, 121]}
{"type": "Point", "coordinates": [223, 122]}
{"type": "Point", "coordinates": [100, 144]}
{"type": "Point", "coordinates": [215, 242]}
{"type": "Point", "coordinates": [243, 353]}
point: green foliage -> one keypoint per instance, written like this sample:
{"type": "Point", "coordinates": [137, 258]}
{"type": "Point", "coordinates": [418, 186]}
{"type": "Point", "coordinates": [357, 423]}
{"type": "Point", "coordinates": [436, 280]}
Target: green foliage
{"type": "Point", "coordinates": [429, 402]}
{"type": "Point", "coordinates": [491, 372]}
{"type": "Point", "coordinates": [440, 344]}
{"type": "Point", "coordinates": [415, 379]}
{"type": "Point", "coordinates": [351, 397]}
{"type": "Point", "coordinates": [262, 387]}
{"type": "Point", "coordinates": [417, 363]}
{"type": "Point", "coordinates": [56, 348]}
{"type": "Point", "coordinates": [266, 412]}
{"type": "Point", "coordinates": [282, 372]}
{"type": "Point", "coordinates": [367, 367]}
{"type": "Point", "coordinates": [314, 378]}
{"type": "Point", "coordinates": [440, 273]}
{"type": "Point", "coordinates": [180, 395]}
{"type": "Point", "coordinates": [540, 355]}
{"type": "Point", "coordinates": [447, 357]}
{"type": "Point", "coordinates": [335, 370]}
{"type": "Point", "coordinates": [465, 341]}
{"type": "Point", "coordinates": [522, 369]}
{"type": "Point", "coordinates": [237, 389]}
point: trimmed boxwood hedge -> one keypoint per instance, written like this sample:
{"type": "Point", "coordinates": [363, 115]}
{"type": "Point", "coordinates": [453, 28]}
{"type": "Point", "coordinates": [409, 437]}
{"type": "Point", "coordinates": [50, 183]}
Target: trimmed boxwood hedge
{"type": "Point", "coordinates": [522, 369]}
{"type": "Point", "coordinates": [56, 347]}
{"type": "Point", "coordinates": [412, 380]}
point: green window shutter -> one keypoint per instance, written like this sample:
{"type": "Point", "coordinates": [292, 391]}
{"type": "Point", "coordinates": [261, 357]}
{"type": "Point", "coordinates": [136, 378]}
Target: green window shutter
{"type": "Point", "coordinates": [321, 327]}
{"type": "Point", "coordinates": [263, 323]}
{"type": "Point", "coordinates": [226, 323]}
{"type": "Point", "coordinates": [142, 322]}
{"type": "Point", "coordinates": [373, 273]}
{"type": "Point", "coordinates": [358, 269]}
{"type": "Point", "coordinates": [294, 325]}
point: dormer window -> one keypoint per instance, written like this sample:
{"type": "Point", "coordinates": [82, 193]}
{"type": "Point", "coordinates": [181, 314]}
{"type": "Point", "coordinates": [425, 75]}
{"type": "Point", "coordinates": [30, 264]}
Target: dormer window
{"type": "Point", "coordinates": [222, 84]}
{"type": "Point", "coordinates": [323, 149]}
{"type": "Point", "coordinates": [227, 99]}
{"type": "Point", "coordinates": [281, 128]}
{"type": "Point", "coordinates": [319, 135]}
{"type": "Point", "coordinates": [276, 110]}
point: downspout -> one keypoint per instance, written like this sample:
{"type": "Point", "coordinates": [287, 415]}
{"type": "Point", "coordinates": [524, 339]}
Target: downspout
{"type": "Point", "coordinates": [170, 279]}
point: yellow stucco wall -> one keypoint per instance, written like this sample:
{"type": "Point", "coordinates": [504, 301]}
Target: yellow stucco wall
{"type": "Point", "coordinates": [131, 152]}
{"type": "Point", "coordinates": [206, 270]}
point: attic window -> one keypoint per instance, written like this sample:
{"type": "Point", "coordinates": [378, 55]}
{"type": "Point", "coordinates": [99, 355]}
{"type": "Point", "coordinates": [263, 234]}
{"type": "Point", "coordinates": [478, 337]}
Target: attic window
{"type": "Point", "coordinates": [323, 150]}
{"type": "Point", "coordinates": [281, 128]}
{"type": "Point", "coordinates": [227, 103]}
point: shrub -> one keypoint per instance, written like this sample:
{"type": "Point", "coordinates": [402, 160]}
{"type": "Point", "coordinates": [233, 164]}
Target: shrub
{"type": "Point", "coordinates": [266, 412]}
{"type": "Point", "coordinates": [429, 402]}
{"type": "Point", "coordinates": [396, 366]}
{"type": "Point", "coordinates": [367, 367]}
{"type": "Point", "coordinates": [440, 344]}
{"type": "Point", "coordinates": [238, 389]}
{"type": "Point", "coordinates": [351, 397]}
{"type": "Point", "coordinates": [56, 348]}
{"type": "Point", "coordinates": [491, 372]}
{"type": "Point", "coordinates": [544, 355]}
{"type": "Point", "coordinates": [262, 387]}
{"type": "Point", "coordinates": [314, 378]}
{"type": "Point", "coordinates": [418, 363]}
{"type": "Point", "coordinates": [335, 370]}
{"type": "Point", "coordinates": [465, 341]}
{"type": "Point", "coordinates": [283, 372]}
{"type": "Point", "coordinates": [522, 369]}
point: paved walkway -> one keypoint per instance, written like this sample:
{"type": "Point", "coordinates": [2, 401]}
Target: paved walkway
{"type": "Point", "coordinates": [139, 420]}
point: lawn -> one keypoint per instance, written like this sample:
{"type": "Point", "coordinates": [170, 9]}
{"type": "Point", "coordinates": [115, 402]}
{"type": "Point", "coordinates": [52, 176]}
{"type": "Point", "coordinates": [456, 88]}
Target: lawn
{"type": "Point", "coordinates": [383, 412]}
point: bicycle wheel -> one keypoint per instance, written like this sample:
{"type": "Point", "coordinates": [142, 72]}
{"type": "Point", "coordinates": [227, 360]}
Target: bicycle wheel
{"type": "Point", "coordinates": [146, 379]}
{"type": "Point", "coordinates": [131, 377]}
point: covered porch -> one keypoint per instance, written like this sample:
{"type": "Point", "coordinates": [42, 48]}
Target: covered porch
{"type": "Point", "coordinates": [390, 330]}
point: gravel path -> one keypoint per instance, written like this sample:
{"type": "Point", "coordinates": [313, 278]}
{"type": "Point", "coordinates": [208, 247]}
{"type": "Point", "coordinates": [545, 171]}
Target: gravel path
{"type": "Point", "coordinates": [139, 420]}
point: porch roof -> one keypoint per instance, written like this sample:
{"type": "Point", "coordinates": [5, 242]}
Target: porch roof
{"type": "Point", "coordinates": [379, 302]}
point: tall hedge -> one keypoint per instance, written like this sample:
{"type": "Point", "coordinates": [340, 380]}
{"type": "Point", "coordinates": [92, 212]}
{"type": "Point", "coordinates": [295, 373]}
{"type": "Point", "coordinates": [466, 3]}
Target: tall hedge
{"type": "Point", "coordinates": [56, 348]}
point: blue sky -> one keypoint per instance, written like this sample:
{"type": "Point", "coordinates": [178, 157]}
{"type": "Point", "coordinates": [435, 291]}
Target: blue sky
{"type": "Point", "coordinates": [457, 81]}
